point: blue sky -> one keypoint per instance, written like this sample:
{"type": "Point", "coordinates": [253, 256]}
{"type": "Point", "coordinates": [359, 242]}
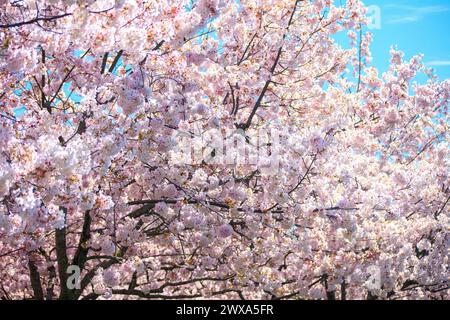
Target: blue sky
{"type": "Point", "coordinates": [415, 26]}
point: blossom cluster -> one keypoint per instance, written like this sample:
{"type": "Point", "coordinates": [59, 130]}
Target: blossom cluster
{"type": "Point", "coordinates": [95, 95]}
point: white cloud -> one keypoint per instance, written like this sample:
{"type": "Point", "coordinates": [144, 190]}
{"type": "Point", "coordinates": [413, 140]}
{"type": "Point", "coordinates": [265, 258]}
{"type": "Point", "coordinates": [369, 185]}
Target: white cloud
{"type": "Point", "coordinates": [439, 63]}
{"type": "Point", "coordinates": [405, 19]}
{"type": "Point", "coordinates": [413, 14]}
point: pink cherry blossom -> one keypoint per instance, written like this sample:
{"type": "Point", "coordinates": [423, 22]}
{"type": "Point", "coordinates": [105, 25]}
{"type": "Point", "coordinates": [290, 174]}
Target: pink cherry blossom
{"type": "Point", "coordinates": [225, 231]}
{"type": "Point", "coordinates": [110, 116]}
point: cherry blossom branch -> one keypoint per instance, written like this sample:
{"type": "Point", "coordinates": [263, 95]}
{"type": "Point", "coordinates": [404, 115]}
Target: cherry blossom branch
{"type": "Point", "coordinates": [63, 262]}
{"type": "Point", "coordinates": [143, 294]}
{"type": "Point", "coordinates": [115, 61]}
{"type": "Point", "coordinates": [242, 59]}
{"type": "Point", "coordinates": [35, 280]}
{"type": "Point", "coordinates": [359, 59]}
{"type": "Point", "coordinates": [439, 211]}
{"type": "Point", "coordinates": [247, 124]}
{"type": "Point", "coordinates": [424, 148]}
{"type": "Point", "coordinates": [305, 175]}
{"type": "Point", "coordinates": [80, 256]}
{"type": "Point", "coordinates": [37, 19]}
{"type": "Point", "coordinates": [104, 60]}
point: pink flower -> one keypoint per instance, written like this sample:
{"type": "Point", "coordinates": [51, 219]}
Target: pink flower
{"type": "Point", "coordinates": [111, 277]}
{"type": "Point", "coordinates": [225, 231]}
{"type": "Point", "coordinates": [194, 58]}
{"type": "Point", "coordinates": [161, 208]}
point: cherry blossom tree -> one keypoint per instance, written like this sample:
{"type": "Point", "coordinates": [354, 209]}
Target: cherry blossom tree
{"type": "Point", "coordinates": [94, 96]}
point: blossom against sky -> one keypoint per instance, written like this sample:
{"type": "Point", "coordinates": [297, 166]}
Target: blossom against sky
{"type": "Point", "coordinates": [415, 26]}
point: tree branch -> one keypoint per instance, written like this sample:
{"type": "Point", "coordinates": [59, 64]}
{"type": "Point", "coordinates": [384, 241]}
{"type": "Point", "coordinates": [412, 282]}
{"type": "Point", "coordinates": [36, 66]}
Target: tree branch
{"type": "Point", "coordinates": [37, 19]}
{"type": "Point", "coordinates": [80, 256]}
{"type": "Point", "coordinates": [35, 280]}
{"type": "Point", "coordinates": [63, 263]}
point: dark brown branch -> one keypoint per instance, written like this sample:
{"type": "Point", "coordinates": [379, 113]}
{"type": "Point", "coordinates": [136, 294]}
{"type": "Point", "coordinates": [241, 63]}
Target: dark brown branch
{"type": "Point", "coordinates": [142, 294]}
{"type": "Point", "coordinates": [308, 170]}
{"type": "Point", "coordinates": [51, 275]}
{"type": "Point", "coordinates": [80, 256]}
{"type": "Point", "coordinates": [246, 49]}
{"type": "Point", "coordinates": [35, 280]}
{"type": "Point", "coordinates": [424, 148]}
{"type": "Point", "coordinates": [150, 204]}
{"type": "Point", "coordinates": [37, 19]}
{"type": "Point", "coordinates": [233, 110]}
{"type": "Point", "coordinates": [359, 59]}
{"type": "Point", "coordinates": [44, 103]}
{"type": "Point", "coordinates": [343, 291]}
{"type": "Point", "coordinates": [63, 262]}
{"type": "Point", "coordinates": [115, 61]}
{"type": "Point", "coordinates": [104, 60]}
{"type": "Point", "coordinates": [88, 277]}
{"type": "Point", "coordinates": [437, 213]}
{"type": "Point", "coordinates": [247, 124]}
{"type": "Point", "coordinates": [51, 282]}
{"type": "Point", "coordinates": [158, 45]}
{"type": "Point", "coordinates": [181, 283]}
